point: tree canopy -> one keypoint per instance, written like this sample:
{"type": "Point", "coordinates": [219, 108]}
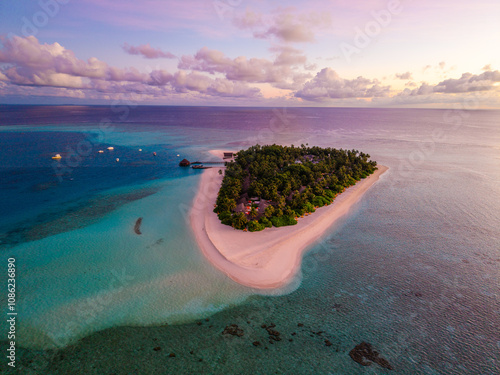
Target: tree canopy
{"type": "Point", "coordinates": [273, 185]}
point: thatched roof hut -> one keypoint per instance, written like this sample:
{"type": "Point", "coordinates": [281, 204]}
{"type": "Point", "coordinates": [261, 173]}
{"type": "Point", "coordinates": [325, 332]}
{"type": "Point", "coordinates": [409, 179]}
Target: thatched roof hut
{"type": "Point", "coordinates": [262, 206]}
{"type": "Point", "coordinates": [240, 208]}
{"type": "Point", "coordinates": [184, 163]}
{"type": "Point", "coordinates": [243, 199]}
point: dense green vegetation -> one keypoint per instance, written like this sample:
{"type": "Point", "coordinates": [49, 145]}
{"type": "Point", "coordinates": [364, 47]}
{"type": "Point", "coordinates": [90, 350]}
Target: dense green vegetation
{"type": "Point", "coordinates": [273, 185]}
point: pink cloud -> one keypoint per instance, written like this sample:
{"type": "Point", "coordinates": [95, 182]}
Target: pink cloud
{"type": "Point", "coordinates": [283, 25]}
{"type": "Point", "coordinates": [26, 62]}
{"type": "Point", "coordinates": [282, 72]}
{"type": "Point", "coordinates": [404, 76]}
{"type": "Point", "coordinates": [147, 51]}
{"type": "Point", "coordinates": [468, 82]}
{"type": "Point", "coordinates": [329, 85]}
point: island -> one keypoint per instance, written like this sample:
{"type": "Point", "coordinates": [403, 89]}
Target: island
{"type": "Point", "coordinates": [275, 185]}
{"type": "Point", "coordinates": [268, 254]}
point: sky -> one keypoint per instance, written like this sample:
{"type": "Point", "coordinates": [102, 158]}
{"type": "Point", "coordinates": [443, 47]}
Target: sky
{"type": "Point", "coordinates": [332, 53]}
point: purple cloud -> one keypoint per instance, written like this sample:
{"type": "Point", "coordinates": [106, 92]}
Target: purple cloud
{"type": "Point", "coordinates": [147, 51]}
{"type": "Point", "coordinates": [329, 85]}
{"type": "Point", "coordinates": [282, 72]}
{"type": "Point", "coordinates": [283, 26]}
{"type": "Point", "coordinates": [406, 75]}
{"type": "Point", "coordinates": [26, 62]}
{"type": "Point", "coordinates": [468, 82]}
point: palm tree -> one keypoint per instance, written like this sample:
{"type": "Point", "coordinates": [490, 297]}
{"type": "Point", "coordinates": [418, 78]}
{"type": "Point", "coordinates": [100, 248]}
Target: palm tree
{"type": "Point", "coordinates": [269, 211]}
{"type": "Point", "coordinates": [239, 220]}
{"type": "Point", "coordinates": [253, 212]}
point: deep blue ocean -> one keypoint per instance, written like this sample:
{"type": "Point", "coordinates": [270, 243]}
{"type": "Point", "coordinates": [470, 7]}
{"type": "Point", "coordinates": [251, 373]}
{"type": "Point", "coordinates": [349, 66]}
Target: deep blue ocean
{"type": "Point", "coordinates": [413, 269]}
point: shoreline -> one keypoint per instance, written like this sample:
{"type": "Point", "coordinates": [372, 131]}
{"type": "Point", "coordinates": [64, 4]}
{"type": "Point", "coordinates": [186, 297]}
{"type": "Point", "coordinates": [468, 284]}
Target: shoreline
{"type": "Point", "coordinates": [271, 258]}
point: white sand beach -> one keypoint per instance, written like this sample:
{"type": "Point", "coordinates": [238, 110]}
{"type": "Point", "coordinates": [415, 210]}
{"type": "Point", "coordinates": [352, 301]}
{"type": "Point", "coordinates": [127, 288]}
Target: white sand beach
{"type": "Point", "coordinates": [270, 258]}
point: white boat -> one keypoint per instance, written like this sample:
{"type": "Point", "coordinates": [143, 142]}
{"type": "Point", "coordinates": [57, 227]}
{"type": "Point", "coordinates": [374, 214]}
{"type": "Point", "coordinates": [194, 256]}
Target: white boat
{"type": "Point", "coordinates": [57, 157]}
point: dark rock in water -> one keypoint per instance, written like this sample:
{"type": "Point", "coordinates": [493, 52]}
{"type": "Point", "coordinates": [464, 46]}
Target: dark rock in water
{"type": "Point", "coordinates": [328, 343]}
{"type": "Point", "coordinates": [171, 355]}
{"type": "Point", "coordinates": [137, 226]}
{"type": "Point", "coordinates": [157, 349]}
{"type": "Point", "coordinates": [365, 351]}
{"type": "Point", "coordinates": [234, 330]}
{"type": "Point", "coordinates": [256, 343]}
{"type": "Point", "coordinates": [300, 325]}
{"type": "Point", "coordinates": [272, 332]}
{"type": "Point", "coordinates": [184, 163]}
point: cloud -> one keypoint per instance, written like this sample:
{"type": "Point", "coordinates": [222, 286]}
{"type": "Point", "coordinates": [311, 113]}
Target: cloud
{"type": "Point", "coordinates": [486, 67]}
{"type": "Point", "coordinates": [283, 72]}
{"type": "Point", "coordinates": [26, 62]}
{"type": "Point", "coordinates": [287, 55]}
{"type": "Point", "coordinates": [329, 85]}
{"type": "Point", "coordinates": [468, 82]}
{"type": "Point", "coordinates": [283, 25]}
{"type": "Point", "coordinates": [406, 75]}
{"type": "Point", "coordinates": [147, 51]}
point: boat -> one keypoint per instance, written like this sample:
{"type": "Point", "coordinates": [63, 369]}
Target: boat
{"type": "Point", "coordinates": [111, 148]}
{"type": "Point", "coordinates": [57, 157]}
{"type": "Point", "coordinates": [200, 166]}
